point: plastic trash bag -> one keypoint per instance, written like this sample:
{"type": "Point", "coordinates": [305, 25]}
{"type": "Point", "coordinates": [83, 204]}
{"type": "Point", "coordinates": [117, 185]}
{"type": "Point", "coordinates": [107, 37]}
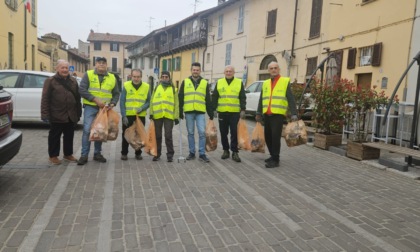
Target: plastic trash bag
{"type": "Point", "coordinates": [258, 140]}
{"type": "Point", "coordinates": [151, 144]}
{"type": "Point", "coordinates": [141, 131]}
{"type": "Point", "coordinates": [132, 137]}
{"type": "Point", "coordinates": [113, 124]}
{"type": "Point", "coordinates": [99, 128]}
{"type": "Point", "coordinates": [243, 136]}
{"type": "Point", "coordinates": [295, 133]}
{"type": "Point", "coordinates": [211, 136]}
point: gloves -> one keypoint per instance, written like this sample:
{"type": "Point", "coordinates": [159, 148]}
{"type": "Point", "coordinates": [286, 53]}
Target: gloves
{"type": "Point", "coordinates": [176, 121]}
{"type": "Point", "coordinates": [125, 121]}
{"type": "Point", "coordinates": [258, 118]}
{"type": "Point", "coordinates": [181, 115]}
{"type": "Point", "coordinates": [215, 114]}
{"type": "Point", "coordinates": [242, 114]}
{"type": "Point", "coordinates": [151, 117]}
{"type": "Point", "coordinates": [294, 118]}
{"type": "Point", "coordinates": [45, 120]}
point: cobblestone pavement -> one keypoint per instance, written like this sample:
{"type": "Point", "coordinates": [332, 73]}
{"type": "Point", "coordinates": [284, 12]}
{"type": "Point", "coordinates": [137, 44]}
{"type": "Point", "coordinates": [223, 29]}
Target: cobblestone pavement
{"type": "Point", "coordinates": [315, 201]}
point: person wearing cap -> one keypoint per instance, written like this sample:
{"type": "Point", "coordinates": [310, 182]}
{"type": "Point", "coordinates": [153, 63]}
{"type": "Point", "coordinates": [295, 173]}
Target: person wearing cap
{"type": "Point", "coordinates": [134, 100]}
{"type": "Point", "coordinates": [98, 89]}
{"type": "Point", "coordinates": [164, 110]}
{"type": "Point", "coordinates": [194, 100]}
{"type": "Point", "coordinates": [229, 101]}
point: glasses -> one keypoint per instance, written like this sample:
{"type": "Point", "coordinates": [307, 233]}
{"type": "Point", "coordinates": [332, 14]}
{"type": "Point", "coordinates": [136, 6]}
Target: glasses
{"type": "Point", "coordinates": [165, 77]}
{"type": "Point", "coordinates": [273, 68]}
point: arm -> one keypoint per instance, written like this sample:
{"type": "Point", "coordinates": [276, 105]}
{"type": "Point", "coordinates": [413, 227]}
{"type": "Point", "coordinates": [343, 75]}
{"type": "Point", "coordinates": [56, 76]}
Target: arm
{"type": "Point", "coordinates": [242, 97]}
{"type": "Point", "coordinates": [209, 108]}
{"type": "Point", "coordinates": [115, 94]}
{"type": "Point", "coordinates": [151, 102]}
{"type": "Point", "coordinates": [122, 102]}
{"type": "Point", "coordinates": [176, 116]}
{"type": "Point", "coordinates": [259, 109]}
{"type": "Point", "coordinates": [45, 100]}
{"type": "Point", "coordinates": [215, 98]}
{"type": "Point", "coordinates": [84, 88]}
{"type": "Point", "coordinates": [291, 100]}
{"type": "Point", "coordinates": [146, 105]}
{"type": "Point", "coordinates": [181, 98]}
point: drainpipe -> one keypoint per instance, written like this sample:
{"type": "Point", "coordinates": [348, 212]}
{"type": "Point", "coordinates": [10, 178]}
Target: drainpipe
{"type": "Point", "coordinates": [289, 62]}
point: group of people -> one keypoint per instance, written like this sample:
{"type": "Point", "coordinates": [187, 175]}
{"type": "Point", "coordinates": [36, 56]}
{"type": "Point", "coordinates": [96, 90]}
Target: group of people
{"type": "Point", "coordinates": [61, 108]}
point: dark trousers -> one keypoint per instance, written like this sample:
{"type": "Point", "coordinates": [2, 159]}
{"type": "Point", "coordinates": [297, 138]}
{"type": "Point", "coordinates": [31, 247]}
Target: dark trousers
{"type": "Point", "coordinates": [273, 126]}
{"type": "Point", "coordinates": [168, 124]}
{"type": "Point", "coordinates": [124, 143]}
{"type": "Point", "coordinates": [229, 121]}
{"type": "Point", "coordinates": [54, 137]}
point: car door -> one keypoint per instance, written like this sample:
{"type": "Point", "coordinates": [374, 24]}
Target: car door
{"type": "Point", "coordinates": [9, 82]}
{"type": "Point", "coordinates": [252, 97]}
{"type": "Point", "coordinates": [28, 97]}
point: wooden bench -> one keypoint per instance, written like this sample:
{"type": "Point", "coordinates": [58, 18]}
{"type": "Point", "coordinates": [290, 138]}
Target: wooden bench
{"type": "Point", "coordinates": [394, 148]}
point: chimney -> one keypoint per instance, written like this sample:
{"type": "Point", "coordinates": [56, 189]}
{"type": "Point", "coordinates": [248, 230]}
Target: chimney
{"type": "Point", "coordinates": [219, 2]}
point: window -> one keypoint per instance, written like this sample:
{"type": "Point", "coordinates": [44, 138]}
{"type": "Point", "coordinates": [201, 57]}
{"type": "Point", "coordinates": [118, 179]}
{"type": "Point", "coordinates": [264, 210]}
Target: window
{"type": "Point", "coordinates": [365, 56]}
{"type": "Point", "coordinates": [228, 54]}
{"type": "Point", "coordinates": [8, 80]}
{"type": "Point", "coordinates": [311, 65]}
{"type": "Point", "coordinates": [271, 22]}
{"type": "Point", "coordinates": [97, 46]}
{"type": "Point", "coordinates": [220, 28]}
{"type": "Point", "coordinates": [351, 60]}
{"type": "Point", "coordinates": [150, 62]}
{"type": "Point", "coordinates": [208, 58]}
{"type": "Point", "coordinates": [241, 19]}
{"type": "Point", "coordinates": [164, 65]}
{"type": "Point", "coordinates": [253, 87]}
{"type": "Point", "coordinates": [142, 63]}
{"type": "Point", "coordinates": [115, 47]}
{"type": "Point", "coordinates": [114, 65]}
{"type": "Point", "coordinates": [33, 14]}
{"type": "Point", "coordinates": [315, 28]}
{"type": "Point", "coordinates": [193, 57]}
{"type": "Point", "coordinates": [12, 4]}
{"type": "Point", "coordinates": [11, 49]}
{"type": "Point", "coordinates": [33, 81]}
{"type": "Point", "coordinates": [177, 64]}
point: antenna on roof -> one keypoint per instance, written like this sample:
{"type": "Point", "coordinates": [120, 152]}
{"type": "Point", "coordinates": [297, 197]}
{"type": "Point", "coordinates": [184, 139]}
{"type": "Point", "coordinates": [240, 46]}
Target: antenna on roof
{"type": "Point", "coordinates": [97, 26]}
{"type": "Point", "coordinates": [196, 2]}
{"type": "Point", "coordinates": [150, 23]}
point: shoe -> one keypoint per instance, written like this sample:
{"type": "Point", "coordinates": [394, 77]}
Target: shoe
{"type": "Point", "coordinates": [156, 158]}
{"type": "Point", "coordinates": [204, 158]}
{"type": "Point", "coordinates": [170, 159]}
{"type": "Point", "coordinates": [268, 159]}
{"type": "Point", "coordinates": [272, 164]}
{"type": "Point", "coordinates": [139, 157]}
{"type": "Point", "coordinates": [124, 157]}
{"type": "Point", "coordinates": [226, 154]}
{"type": "Point", "coordinates": [191, 156]}
{"type": "Point", "coordinates": [82, 160]}
{"type": "Point", "coordinates": [98, 157]}
{"type": "Point", "coordinates": [70, 158]}
{"type": "Point", "coordinates": [235, 157]}
{"type": "Point", "coordinates": [54, 161]}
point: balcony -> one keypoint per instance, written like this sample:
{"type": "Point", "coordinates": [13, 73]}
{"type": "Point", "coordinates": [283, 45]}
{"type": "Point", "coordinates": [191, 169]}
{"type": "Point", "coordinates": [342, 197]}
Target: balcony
{"type": "Point", "coordinates": [186, 42]}
{"type": "Point", "coordinates": [150, 50]}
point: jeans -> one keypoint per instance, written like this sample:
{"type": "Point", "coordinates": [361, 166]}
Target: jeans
{"type": "Point", "coordinates": [89, 116]}
{"type": "Point", "coordinates": [229, 121]}
{"type": "Point", "coordinates": [200, 122]}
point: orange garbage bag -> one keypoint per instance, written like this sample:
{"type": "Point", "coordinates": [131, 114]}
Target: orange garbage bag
{"type": "Point", "coordinates": [243, 136]}
{"type": "Point", "coordinates": [211, 136]}
{"type": "Point", "coordinates": [113, 124]}
{"type": "Point", "coordinates": [99, 128]}
{"type": "Point", "coordinates": [132, 137]}
{"type": "Point", "coordinates": [258, 140]}
{"type": "Point", "coordinates": [295, 133]}
{"type": "Point", "coordinates": [151, 144]}
{"type": "Point", "coordinates": [141, 131]}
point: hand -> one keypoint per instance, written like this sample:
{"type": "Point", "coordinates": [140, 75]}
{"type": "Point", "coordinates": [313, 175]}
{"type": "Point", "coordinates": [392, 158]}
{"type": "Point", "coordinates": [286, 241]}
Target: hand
{"type": "Point", "coordinates": [151, 117]}
{"type": "Point", "coordinates": [125, 121]}
{"type": "Point", "coordinates": [258, 118]}
{"type": "Point", "coordinates": [242, 114]}
{"type": "Point", "coordinates": [181, 115]}
{"type": "Point", "coordinates": [215, 114]}
{"type": "Point", "coordinates": [176, 121]}
{"type": "Point", "coordinates": [99, 102]}
{"type": "Point", "coordinates": [45, 120]}
{"type": "Point", "coordinates": [139, 111]}
{"type": "Point", "coordinates": [294, 118]}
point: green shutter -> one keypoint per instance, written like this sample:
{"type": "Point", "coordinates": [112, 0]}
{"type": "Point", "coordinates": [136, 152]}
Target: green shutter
{"type": "Point", "coordinates": [164, 65]}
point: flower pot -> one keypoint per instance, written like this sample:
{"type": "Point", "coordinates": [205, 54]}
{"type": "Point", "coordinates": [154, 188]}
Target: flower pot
{"type": "Point", "coordinates": [324, 141]}
{"type": "Point", "coordinates": [357, 150]}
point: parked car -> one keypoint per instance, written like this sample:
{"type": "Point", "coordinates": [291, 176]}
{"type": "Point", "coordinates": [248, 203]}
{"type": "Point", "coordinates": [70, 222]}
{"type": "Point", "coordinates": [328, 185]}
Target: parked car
{"type": "Point", "coordinates": [10, 139]}
{"type": "Point", "coordinates": [26, 89]}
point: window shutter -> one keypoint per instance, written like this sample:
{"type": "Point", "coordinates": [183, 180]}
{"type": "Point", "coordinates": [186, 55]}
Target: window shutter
{"type": "Point", "coordinates": [164, 65]}
{"type": "Point", "coordinates": [377, 54]}
{"type": "Point", "coordinates": [351, 60]}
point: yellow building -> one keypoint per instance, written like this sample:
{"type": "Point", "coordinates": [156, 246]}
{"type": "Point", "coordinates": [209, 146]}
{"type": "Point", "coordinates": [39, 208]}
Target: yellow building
{"type": "Point", "coordinates": [18, 36]}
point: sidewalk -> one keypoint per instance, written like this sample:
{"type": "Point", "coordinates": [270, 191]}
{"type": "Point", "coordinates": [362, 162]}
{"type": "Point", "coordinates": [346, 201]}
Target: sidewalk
{"type": "Point", "coordinates": [315, 201]}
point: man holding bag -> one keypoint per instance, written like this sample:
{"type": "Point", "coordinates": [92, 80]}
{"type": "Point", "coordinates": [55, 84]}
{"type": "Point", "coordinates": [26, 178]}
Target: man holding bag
{"type": "Point", "coordinates": [276, 96]}
{"type": "Point", "coordinates": [98, 89]}
{"type": "Point", "coordinates": [134, 100]}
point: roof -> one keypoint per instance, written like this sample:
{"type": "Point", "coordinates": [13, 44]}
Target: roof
{"type": "Point", "coordinates": [108, 37]}
{"type": "Point", "coordinates": [54, 36]}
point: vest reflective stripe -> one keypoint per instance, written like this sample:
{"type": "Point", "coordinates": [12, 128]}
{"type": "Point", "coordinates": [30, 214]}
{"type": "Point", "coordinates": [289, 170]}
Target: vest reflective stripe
{"type": "Point", "coordinates": [195, 99]}
{"type": "Point", "coordinates": [229, 95]}
{"type": "Point", "coordinates": [102, 91]}
{"type": "Point", "coordinates": [135, 98]}
{"type": "Point", "coordinates": [279, 102]}
{"type": "Point", "coordinates": [163, 103]}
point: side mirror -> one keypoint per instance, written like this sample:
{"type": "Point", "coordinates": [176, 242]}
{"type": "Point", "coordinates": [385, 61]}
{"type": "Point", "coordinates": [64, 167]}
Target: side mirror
{"type": "Point", "coordinates": [247, 91]}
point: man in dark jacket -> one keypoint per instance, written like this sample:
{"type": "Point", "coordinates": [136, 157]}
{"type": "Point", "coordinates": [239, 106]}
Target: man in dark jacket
{"type": "Point", "coordinates": [61, 108]}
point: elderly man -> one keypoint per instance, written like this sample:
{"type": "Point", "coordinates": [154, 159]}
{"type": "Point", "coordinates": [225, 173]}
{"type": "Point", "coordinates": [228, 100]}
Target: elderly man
{"type": "Point", "coordinates": [61, 108]}
{"type": "Point", "coordinates": [135, 99]}
{"type": "Point", "coordinates": [98, 89]}
{"type": "Point", "coordinates": [276, 96]}
{"type": "Point", "coordinates": [229, 101]}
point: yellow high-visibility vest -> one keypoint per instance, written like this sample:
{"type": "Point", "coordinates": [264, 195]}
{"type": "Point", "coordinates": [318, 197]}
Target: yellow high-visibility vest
{"type": "Point", "coordinates": [135, 98]}
{"type": "Point", "coordinates": [278, 98]}
{"type": "Point", "coordinates": [102, 91]}
{"type": "Point", "coordinates": [229, 95]}
{"type": "Point", "coordinates": [195, 99]}
{"type": "Point", "coordinates": [163, 103]}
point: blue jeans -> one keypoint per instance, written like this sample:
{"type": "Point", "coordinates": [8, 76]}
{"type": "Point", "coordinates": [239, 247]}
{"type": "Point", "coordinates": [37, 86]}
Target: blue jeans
{"type": "Point", "coordinates": [89, 115]}
{"type": "Point", "coordinates": [200, 120]}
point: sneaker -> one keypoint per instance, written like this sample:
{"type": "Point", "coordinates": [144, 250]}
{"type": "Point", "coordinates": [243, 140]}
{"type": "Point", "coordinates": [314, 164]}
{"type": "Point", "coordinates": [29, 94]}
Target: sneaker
{"type": "Point", "coordinates": [226, 154]}
{"type": "Point", "coordinates": [156, 158]}
{"type": "Point", "coordinates": [139, 157]}
{"type": "Point", "coordinates": [54, 161]}
{"type": "Point", "coordinates": [70, 158]}
{"type": "Point", "coordinates": [170, 159]}
{"type": "Point", "coordinates": [124, 157]}
{"type": "Point", "coordinates": [235, 157]}
{"type": "Point", "coordinates": [191, 156]}
{"type": "Point", "coordinates": [272, 164]}
{"type": "Point", "coordinates": [98, 157]}
{"type": "Point", "coordinates": [268, 159]}
{"type": "Point", "coordinates": [82, 160]}
{"type": "Point", "coordinates": [204, 158]}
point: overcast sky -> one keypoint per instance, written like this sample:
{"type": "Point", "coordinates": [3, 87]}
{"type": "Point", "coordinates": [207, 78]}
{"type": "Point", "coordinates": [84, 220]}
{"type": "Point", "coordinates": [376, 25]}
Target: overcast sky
{"type": "Point", "coordinates": [74, 19]}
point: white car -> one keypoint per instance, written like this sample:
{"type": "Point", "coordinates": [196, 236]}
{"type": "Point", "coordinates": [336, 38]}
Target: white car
{"type": "Point", "coordinates": [26, 89]}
